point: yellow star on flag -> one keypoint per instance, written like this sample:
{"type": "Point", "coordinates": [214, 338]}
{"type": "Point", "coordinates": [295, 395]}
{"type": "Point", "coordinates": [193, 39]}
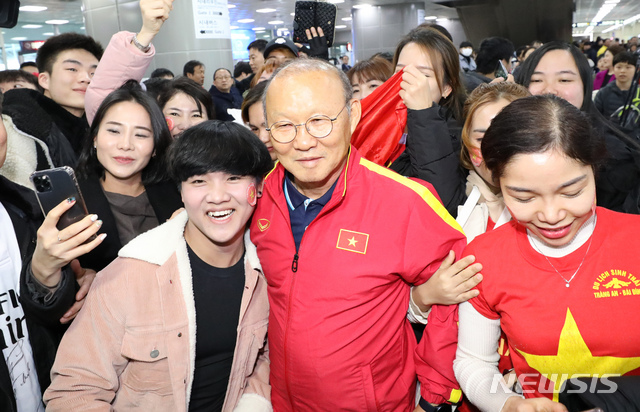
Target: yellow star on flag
{"type": "Point", "coordinates": [352, 241]}
{"type": "Point", "coordinates": [575, 359]}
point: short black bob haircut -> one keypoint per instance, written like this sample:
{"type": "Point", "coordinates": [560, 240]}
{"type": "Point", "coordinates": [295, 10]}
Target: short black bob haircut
{"type": "Point", "coordinates": [55, 45]}
{"type": "Point", "coordinates": [625, 57]}
{"type": "Point", "coordinates": [539, 123]}
{"type": "Point", "coordinates": [218, 146]}
{"type": "Point", "coordinates": [192, 89]}
{"type": "Point", "coordinates": [155, 171]}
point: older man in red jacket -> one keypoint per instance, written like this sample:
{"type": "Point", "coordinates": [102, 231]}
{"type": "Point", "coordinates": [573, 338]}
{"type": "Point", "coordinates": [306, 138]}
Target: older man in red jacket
{"type": "Point", "coordinates": [341, 241]}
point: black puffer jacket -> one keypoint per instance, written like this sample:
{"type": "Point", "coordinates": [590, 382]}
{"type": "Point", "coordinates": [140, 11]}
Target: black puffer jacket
{"type": "Point", "coordinates": [40, 117]}
{"type": "Point", "coordinates": [433, 154]}
{"type": "Point", "coordinates": [618, 180]}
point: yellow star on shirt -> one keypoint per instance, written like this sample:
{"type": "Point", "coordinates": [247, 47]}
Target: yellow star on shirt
{"type": "Point", "coordinates": [352, 241]}
{"type": "Point", "coordinates": [574, 358]}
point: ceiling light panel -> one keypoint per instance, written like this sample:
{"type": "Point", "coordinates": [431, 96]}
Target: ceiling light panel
{"type": "Point", "coordinates": [32, 8]}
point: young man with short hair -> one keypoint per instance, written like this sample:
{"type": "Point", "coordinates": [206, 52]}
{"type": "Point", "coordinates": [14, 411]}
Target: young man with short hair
{"type": "Point", "coordinates": [134, 345]}
{"type": "Point", "coordinates": [47, 130]}
{"type": "Point", "coordinates": [256, 50]}
{"type": "Point", "coordinates": [614, 95]}
{"type": "Point", "coordinates": [256, 61]}
{"type": "Point", "coordinates": [194, 70]}
{"type": "Point", "coordinates": [242, 70]}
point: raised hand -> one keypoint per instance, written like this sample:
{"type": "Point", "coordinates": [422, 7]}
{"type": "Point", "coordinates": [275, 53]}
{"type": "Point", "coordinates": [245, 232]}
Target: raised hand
{"type": "Point", "coordinates": [154, 14]}
{"type": "Point", "coordinates": [415, 91]}
{"type": "Point", "coordinates": [317, 43]}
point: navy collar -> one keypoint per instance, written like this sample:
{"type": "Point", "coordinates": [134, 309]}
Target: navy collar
{"type": "Point", "coordinates": [295, 199]}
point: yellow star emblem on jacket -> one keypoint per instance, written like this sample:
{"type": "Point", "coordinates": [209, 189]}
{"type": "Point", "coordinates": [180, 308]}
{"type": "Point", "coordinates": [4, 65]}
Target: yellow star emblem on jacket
{"type": "Point", "coordinates": [575, 359]}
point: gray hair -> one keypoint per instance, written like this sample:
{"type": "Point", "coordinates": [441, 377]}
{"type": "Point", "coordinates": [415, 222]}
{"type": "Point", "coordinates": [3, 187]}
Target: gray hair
{"type": "Point", "coordinates": [307, 65]}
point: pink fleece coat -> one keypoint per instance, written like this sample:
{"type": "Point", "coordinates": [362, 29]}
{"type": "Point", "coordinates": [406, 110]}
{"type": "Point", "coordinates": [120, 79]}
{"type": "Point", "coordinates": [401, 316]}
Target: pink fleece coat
{"type": "Point", "coordinates": [132, 347]}
{"type": "Point", "coordinates": [120, 62]}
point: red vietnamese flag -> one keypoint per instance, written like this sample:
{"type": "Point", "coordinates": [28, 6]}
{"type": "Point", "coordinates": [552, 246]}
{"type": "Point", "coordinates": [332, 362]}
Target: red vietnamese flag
{"type": "Point", "coordinates": [384, 116]}
{"type": "Point", "coordinates": [353, 241]}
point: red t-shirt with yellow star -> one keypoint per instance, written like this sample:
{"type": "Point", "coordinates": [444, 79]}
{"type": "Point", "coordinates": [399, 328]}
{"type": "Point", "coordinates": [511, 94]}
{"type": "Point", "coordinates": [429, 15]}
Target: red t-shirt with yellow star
{"type": "Point", "coordinates": [557, 332]}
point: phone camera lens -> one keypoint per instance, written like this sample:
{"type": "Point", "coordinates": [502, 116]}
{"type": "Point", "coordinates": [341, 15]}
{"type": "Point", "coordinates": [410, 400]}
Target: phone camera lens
{"type": "Point", "coordinates": [42, 183]}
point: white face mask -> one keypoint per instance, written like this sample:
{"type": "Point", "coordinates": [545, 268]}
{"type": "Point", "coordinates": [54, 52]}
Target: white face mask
{"type": "Point", "coordinates": [466, 52]}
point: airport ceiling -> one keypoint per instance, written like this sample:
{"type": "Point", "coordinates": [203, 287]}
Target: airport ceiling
{"type": "Point", "coordinates": [282, 10]}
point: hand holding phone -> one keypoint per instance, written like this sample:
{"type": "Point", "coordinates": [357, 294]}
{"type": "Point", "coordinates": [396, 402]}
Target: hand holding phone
{"type": "Point", "coordinates": [312, 14]}
{"type": "Point", "coordinates": [501, 71]}
{"type": "Point", "coordinates": [317, 43]}
{"type": "Point", "coordinates": [57, 248]}
{"type": "Point", "coordinates": [68, 231]}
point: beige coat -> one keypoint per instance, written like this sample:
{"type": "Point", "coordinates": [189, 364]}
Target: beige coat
{"type": "Point", "coordinates": [132, 347]}
{"type": "Point", "coordinates": [476, 224]}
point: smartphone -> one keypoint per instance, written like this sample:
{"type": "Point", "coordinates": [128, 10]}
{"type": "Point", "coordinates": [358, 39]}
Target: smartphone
{"type": "Point", "coordinates": [501, 71]}
{"type": "Point", "coordinates": [52, 186]}
{"type": "Point", "coordinates": [314, 14]}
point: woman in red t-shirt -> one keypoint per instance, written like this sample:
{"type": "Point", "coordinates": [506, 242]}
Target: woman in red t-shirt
{"type": "Point", "coordinates": [560, 278]}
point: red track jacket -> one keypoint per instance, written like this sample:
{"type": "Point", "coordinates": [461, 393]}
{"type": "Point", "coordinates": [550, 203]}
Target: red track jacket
{"type": "Point", "coordinates": [338, 334]}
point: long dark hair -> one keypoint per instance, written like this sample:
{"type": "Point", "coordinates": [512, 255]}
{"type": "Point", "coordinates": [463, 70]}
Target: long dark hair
{"type": "Point", "coordinates": [536, 124]}
{"type": "Point", "coordinates": [523, 75]}
{"type": "Point", "coordinates": [584, 70]}
{"type": "Point", "coordinates": [131, 91]}
{"type": "Point", "coordinates": [439, 49]}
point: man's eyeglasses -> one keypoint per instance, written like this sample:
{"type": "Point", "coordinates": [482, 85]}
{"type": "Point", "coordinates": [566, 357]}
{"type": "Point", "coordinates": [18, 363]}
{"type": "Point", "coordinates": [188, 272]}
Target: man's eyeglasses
{"type": "Point", "coordinates": [317, 126]}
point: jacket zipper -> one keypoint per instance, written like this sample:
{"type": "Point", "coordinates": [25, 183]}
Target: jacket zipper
{"type": "Point", "coordinates": [294, 269]}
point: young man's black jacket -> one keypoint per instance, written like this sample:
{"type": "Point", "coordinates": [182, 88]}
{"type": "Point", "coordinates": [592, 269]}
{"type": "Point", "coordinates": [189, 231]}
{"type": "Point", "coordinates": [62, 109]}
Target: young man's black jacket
{"type": "Point", "coordinates": [36, 115]}
{"type": "Point", "coordinates": [432, 154]}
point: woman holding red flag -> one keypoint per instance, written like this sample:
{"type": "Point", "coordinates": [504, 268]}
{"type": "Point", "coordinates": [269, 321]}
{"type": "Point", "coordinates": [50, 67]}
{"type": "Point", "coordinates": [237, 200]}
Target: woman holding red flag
{"type": "Point", "coordinates": [420, 108]}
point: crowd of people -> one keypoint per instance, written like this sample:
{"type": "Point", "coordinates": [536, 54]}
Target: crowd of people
{"type": "Point", "coordinates": [442, 226]}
